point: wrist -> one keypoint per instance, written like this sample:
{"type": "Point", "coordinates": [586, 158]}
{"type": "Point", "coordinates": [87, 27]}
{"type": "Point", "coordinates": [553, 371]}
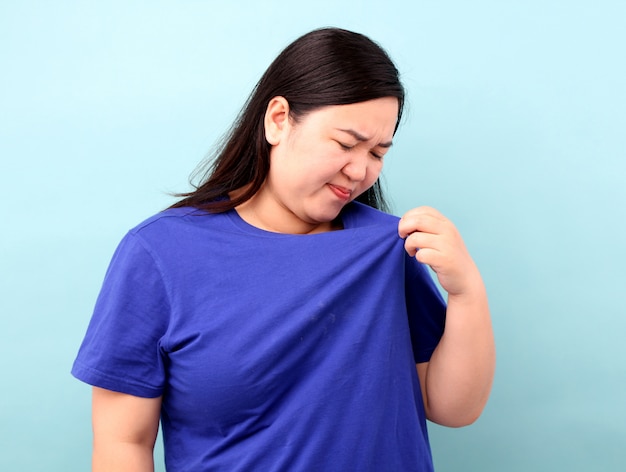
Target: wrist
{"type": "Point", "coordinates": [472, 294]}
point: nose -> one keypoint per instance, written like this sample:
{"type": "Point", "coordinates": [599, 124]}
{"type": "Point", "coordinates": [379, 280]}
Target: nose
{"type": "Point", "coordinates": [356, 168]}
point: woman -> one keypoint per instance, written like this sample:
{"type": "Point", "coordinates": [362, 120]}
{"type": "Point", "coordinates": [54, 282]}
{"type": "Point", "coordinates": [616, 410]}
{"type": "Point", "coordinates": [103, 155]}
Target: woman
{"type": "Point", "coordinates": [274, 319]}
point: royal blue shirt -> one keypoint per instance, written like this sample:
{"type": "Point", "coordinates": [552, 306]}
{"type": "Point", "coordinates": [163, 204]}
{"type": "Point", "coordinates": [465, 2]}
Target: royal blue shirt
{"type": "Point", "coordinates": [271, 352]}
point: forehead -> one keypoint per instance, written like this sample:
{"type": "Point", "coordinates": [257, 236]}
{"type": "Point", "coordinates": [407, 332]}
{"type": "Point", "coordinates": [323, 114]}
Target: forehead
{"type": "Point", "coordinates": [373, 118]}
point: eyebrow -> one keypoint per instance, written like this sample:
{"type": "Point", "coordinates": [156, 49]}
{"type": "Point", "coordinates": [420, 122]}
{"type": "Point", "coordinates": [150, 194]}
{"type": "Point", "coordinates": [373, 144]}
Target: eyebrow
{"type": "Point", "coordinates": [360, 137]}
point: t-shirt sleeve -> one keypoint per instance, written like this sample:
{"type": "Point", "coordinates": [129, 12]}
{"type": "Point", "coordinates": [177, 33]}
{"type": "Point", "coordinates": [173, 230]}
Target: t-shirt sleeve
{"type": "Point", "coordinates": [121, 349]}
{"type": "Point", "coordinates": [426, 310]}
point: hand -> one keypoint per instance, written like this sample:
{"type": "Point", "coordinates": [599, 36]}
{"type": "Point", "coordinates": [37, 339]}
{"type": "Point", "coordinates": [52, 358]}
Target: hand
{"type": "Point", "coordinates": [434, 240]}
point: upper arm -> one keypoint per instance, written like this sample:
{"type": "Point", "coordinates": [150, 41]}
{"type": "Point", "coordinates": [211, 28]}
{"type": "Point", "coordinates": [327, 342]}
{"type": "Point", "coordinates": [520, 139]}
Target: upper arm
{"type": "Point", "coordinates": [125, 428]}
{"type": "Point", "coordinates": [125, 417]}
{"type": "Point", "coordinates": [422, 369]}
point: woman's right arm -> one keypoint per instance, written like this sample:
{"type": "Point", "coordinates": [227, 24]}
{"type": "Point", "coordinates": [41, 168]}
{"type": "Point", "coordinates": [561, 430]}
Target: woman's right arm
{"type": "Point", "coordinates": [125, 428]}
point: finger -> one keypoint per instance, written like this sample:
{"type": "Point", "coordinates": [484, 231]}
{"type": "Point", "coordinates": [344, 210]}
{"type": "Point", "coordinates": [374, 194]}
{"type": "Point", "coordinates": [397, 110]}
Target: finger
{"type": "Point", "coordinates": [420, 221]}
{"type": "Point", "coordinates": [429, 257]}
{"type": "Point", "coordinates": [426, 210]}
{"type": "Point", "coordinates": [418, 241]}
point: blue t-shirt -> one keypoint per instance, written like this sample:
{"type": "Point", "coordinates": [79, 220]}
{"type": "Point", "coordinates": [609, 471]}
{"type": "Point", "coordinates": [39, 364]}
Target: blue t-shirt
{"type": "Point", "coordinates": [272, 352]}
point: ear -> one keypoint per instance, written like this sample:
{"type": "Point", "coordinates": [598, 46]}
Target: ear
{"type": "Point", "coordinates": [276, 119]}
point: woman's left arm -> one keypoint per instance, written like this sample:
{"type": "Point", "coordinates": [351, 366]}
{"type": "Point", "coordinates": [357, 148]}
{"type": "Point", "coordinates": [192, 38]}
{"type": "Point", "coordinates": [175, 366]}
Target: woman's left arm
{"type": "Point", "coordinates": [457, 380]}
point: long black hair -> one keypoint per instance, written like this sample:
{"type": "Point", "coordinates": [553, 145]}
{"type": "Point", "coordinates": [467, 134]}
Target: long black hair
{"type": "Point", "coordinates": [328, 66]}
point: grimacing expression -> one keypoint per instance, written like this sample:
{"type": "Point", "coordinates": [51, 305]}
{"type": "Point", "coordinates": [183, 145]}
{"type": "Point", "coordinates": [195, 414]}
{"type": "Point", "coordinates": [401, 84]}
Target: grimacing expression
{"type": "Point", "coordinates": [327, 158]}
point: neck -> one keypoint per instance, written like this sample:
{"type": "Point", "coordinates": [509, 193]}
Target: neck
{"type": "Point", "coordinates": [280, 220]}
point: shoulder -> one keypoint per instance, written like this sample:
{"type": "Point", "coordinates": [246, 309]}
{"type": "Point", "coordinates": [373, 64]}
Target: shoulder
{"type": "Point", "coordinates": [168, 217]}
{"type": "Point", "coordinates": [176, 220]}
{"type": "Point", "coordinates": [178, 227]}
{"type": "Point", "coordinates": [357, 215]}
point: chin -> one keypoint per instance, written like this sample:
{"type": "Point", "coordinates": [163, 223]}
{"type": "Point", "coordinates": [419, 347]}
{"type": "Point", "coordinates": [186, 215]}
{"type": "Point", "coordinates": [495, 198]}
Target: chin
{"type": "Point", "coordinates": [328, 216]}
{"type": "Point", "coordinates": [324, 214]}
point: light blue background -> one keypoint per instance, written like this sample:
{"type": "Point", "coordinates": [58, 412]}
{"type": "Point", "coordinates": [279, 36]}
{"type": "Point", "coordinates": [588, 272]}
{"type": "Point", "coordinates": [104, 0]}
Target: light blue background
{"type": "Point", "coordinates": [516, 130]}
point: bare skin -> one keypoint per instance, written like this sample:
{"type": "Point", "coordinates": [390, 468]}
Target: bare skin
{"type": "Point", "coordinates": [124, 431]}
{"type": "Point", "coordinates": [457, 380]}
{"type": "Point", "coordinates": [319, 164]}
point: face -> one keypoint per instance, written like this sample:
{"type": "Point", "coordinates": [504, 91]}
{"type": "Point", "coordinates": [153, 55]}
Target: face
{"type": "Point", "coordinates": [320, 163]}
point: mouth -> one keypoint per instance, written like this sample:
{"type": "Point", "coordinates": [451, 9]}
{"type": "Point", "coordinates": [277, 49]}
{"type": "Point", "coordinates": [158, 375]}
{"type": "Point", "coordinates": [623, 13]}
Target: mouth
{"type": "Point", "coordinates": [342, 193]}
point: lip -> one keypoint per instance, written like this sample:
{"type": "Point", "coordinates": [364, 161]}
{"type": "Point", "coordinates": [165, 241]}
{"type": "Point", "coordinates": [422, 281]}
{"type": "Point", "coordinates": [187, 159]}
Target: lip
{"type": "Point", "coordinates": [342, 193]}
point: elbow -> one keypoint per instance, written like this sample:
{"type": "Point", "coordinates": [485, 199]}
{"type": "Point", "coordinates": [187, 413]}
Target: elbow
{"type": "Point", "coordinates": [452, 418]}
{"type": "Point", "coordinates": [460, 421]}
{"type": "Point", "coordinates": [455, 422]}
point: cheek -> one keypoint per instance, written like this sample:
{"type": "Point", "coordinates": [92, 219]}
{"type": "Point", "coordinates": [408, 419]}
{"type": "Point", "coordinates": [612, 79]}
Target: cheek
{"type": "Point", "coordinates": [374, 171]}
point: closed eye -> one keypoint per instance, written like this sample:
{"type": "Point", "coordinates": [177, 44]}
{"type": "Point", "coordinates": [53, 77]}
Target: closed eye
{"type": "Point", "coordinates": [348, 147]}
{"type": "Point", "coordinates": [345, 147]}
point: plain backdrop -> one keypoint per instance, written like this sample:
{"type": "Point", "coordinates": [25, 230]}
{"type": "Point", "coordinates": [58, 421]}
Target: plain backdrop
{"type": "Point", "coordinates": [516, 130]}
